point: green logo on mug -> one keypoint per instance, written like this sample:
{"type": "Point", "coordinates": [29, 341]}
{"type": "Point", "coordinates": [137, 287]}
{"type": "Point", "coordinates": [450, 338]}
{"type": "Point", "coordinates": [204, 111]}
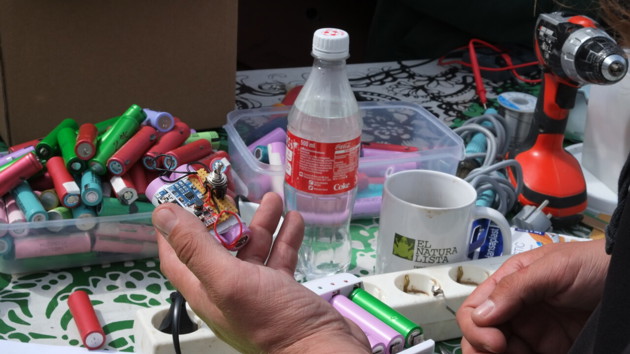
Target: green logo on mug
{"type": "Point", "coordinates": [404, 247]}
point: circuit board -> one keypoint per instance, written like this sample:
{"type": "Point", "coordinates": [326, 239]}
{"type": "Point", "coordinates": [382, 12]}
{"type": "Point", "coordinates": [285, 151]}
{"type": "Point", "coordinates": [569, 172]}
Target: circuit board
{"type": "Point", "coordinates": [190, 193]}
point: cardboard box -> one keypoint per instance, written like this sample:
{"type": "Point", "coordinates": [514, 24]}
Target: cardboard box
{"type": "Point", "coordinates": [90, 60]}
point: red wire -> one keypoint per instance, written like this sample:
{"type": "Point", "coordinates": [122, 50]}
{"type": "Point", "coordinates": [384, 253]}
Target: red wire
{"type": "Point", "coordinates": [506, 57]}
{"type": "Point", "coordinates": [218, 236]}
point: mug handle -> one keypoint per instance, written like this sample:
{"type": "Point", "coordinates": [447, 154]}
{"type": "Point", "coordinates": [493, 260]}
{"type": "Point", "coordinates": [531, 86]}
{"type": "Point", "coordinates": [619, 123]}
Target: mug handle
{"type": "Point", "coordinates": [481, 212]}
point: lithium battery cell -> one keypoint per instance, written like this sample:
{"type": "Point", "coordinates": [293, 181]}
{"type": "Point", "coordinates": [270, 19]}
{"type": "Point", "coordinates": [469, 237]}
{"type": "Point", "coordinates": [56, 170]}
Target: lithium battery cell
{"type": "Point", "coordinates": [377, 332]}
{"type": "Point", "coordinates": [3, 218]}
{"type": "Point", "coordinates": [186, 154]}
{"type": "Point", "coordinates": [67, 189]}
{"type": "Point", "coordinates": [124, 189]}
{"type": "Point", "coordinates": [43, 246]}
{"type": "Point", "coordinates": [48, 198]}
{"type": "Point", "coordinates": [6, 247]}
{"type": "Point", "coordinates": [169, 141]}
{"type": "Point", "coordinates": [15, 155]}
{"type": "Point", "coordinates": [411, 331]}
{"type": "Point", "coordinates": [162, 121]}
{"type": "Point", "coordinates": [28, 202]}
{"type": "Point", "coordinates": [85, 217]}
{"type": "Point", "coordinates": [67, 138]}
{"type": "Point", "coordinates": [91, 188]}
{"type": "Point", "coordinates": [132, 150]}
{"type": "Point", "coordinates": [124, 127]}
{"type": "Point", "coordinates": [211, 136]}
{"type": "Point", "coordinates": [21, 169]}
{"type": "Point", "coordinates": [49, 146]}
{"type": "Point", "coordinates": [90, 329]}
{"type": "Point", "coordinates": [85, 146]}
{"type": "Point", "coordinates": [58, 213]}
{"type": "Point", "coordinates": [15, 217]}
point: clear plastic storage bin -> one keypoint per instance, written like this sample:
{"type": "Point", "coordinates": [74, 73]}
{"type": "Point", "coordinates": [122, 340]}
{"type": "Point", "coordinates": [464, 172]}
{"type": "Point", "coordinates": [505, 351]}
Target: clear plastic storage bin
{"type": "Point", "coordinates": [391, 128]}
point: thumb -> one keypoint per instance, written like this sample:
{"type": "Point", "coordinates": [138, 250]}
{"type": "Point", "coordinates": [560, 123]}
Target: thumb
{"type": "Point", "coordinates": [512, 293]}
{"type": "Point", "coordinates": [194, 245]}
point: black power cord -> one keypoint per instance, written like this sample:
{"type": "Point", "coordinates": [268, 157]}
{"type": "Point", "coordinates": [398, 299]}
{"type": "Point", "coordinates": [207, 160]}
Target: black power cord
{"type": "Point", "coordinates": [177, 320]}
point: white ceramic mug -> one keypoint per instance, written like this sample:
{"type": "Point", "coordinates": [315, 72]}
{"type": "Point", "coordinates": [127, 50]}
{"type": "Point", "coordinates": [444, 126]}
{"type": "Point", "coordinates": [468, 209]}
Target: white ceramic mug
{"type": "Point", "coordinates": [426, 219]}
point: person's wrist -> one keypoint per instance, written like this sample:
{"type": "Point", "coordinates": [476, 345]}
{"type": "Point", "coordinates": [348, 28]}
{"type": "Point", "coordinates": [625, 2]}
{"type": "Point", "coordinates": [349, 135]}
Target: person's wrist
{"type": "Point", "coordinates": [339, 342]}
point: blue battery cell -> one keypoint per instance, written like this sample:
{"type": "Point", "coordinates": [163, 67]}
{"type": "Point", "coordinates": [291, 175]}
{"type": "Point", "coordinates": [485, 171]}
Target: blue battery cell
{"type": "Point", "coordinates": [6, 246]}
{"type": "Point", "coordinates": [162, 121]}
{"type": "Point", "coordinates": [29, 203]}
{"type": "Point", "coordinates": [91, 188]}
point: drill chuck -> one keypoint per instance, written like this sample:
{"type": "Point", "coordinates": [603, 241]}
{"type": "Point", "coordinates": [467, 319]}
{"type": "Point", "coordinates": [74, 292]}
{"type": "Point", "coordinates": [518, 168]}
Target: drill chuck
{"type": "Point", "coordinates": [590, 56]}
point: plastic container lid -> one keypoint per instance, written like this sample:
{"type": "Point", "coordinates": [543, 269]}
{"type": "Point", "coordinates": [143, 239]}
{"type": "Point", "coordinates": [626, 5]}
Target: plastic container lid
{"type": "Point", "coordinates": [331, 44]}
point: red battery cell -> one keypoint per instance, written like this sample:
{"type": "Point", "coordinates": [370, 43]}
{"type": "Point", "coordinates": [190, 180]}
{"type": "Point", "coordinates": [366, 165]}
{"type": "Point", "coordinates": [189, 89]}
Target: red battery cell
{"type": "Point", "coordinates": [23, 145]}
{"type": "Point", "coordinates": [216, 155]}
{"type": "Point", "coordinates": [41, 181]}
{"type": "Point", "coordinates": [90, 329]}
{"type": "Point", "coordinates": [169, 141]}
{"type": "Point", "coordinates": [125, 157]}
{"type": "Point", "coordinates": [187, 153]}
{"type": "Point", "coordinates": [85, 147]}
{"type": "Point", "coordinates": [23, 168]}
{"type": "Point", "coordinates": [139, 177]}
{"type": "Point", "coordinates": [67, 189]}
{"type": "Point", "coordinates": [124, 189]}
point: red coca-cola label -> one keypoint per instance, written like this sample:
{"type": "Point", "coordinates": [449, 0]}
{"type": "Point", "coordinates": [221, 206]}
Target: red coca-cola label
{"type": "Point", "coordinates": [321, 168]}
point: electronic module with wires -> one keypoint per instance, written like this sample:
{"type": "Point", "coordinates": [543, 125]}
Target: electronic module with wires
{"type": "Point", "coordinates": [203, 194]}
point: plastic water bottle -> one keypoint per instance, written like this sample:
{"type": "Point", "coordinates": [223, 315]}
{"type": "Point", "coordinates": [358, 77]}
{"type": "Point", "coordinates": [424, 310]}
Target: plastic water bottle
{"type": "Point", "coordinates": [322, 158]}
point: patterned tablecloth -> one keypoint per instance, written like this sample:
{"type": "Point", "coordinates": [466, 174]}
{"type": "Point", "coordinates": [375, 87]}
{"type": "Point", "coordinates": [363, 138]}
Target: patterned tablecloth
{"type": "Point", "coordinates": [33, 307]}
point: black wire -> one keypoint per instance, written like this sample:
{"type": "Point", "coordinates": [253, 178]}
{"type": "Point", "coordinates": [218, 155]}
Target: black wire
{"type": "Point", "coordinates": [178, 304]}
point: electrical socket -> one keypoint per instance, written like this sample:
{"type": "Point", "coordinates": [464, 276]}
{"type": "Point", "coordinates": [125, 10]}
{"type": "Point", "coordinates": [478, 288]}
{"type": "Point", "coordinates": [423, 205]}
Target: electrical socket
{"type": "Point", "coordinates": [433, 294]}
{"type": "Point", "coordinates": [150, 340]}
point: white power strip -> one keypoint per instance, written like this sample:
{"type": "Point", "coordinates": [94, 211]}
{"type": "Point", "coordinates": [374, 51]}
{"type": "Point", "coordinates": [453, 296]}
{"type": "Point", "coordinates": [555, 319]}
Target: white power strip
{"type": "Point", "coordinates": [427, 296]}
{"type": "Point", "coordinates": [432, 294]}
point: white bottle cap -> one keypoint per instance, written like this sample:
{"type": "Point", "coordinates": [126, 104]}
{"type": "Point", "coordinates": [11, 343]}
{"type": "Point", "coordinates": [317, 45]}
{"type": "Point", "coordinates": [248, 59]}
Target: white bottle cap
{"type": "Point", "coordinates": [331, 44]}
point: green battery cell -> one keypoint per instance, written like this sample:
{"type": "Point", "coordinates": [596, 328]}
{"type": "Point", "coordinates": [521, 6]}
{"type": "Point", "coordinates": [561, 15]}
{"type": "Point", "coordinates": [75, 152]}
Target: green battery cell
{"type": "Point", "coordinates": [116, 137]}
{"type": "Point", "coordinates": [103, 126]}
{"type": "Point", "coordinates": [49, 199]}
{"type": "Point", "coordinates": [211, 136]}
{"type": "Point", "coordinates": [112, 206]}
{"type": "Point", "coordinates": [49, 146]}
{"type": "Point", "coordinates": [67, 138]}
{"type": "Point", "coordinates": [58, 213]}
{"type": "Point", "coordinates": [401, 324]}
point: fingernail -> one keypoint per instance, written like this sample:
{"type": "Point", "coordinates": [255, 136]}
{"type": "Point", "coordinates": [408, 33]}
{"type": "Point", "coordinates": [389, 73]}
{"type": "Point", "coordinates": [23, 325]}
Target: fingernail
{"type": "Point", "coordinates": [164, 220]}
{"type": "Point", "coordinates": [484, 309]}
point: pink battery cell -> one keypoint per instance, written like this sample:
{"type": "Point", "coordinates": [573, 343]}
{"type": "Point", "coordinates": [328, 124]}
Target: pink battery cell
{"type": "Point", "coordinates": [133, 232]}
{"type": "Point", "coordinates": [276, 135]}
{"type": "Point", "coordinates": [111, 245]}
{"type": "Point", "coordinates": [4, 220]}
{"type": "Point", "coordinates": [43, 246]}
{"type": "Point", "coordinates": [90, 329]}
{"type": "Point", "coordinates": [375, 329]}
{"type": "Point", "coordinates": [23, 168]}
{"type": "Point", "coordinates": [15, 216]}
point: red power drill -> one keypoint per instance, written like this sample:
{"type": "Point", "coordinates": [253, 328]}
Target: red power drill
{"type": "Point", "coordinates": [572, 51]}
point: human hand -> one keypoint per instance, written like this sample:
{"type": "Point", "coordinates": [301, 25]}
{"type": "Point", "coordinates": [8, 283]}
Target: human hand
{"type": "Point", "coordinates": [252, 301]}
{"type": "Point", "coordinates": [537, 301]}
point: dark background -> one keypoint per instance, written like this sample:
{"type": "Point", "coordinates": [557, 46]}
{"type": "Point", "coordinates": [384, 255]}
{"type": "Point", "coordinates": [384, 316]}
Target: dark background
{"type": "Point", "coordinates": [279, 33]}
